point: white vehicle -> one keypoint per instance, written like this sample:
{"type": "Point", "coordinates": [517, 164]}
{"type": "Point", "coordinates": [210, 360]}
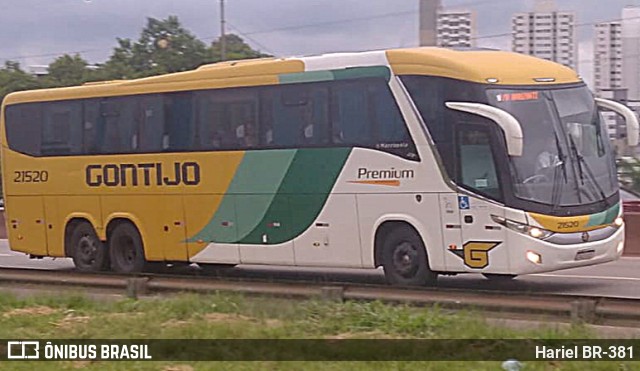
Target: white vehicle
{"type": "Point", "coordinates": [422, 161]}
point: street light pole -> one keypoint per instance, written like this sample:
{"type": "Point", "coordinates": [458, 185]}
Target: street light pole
{"type": "Point", "coordinates": [223, 41]}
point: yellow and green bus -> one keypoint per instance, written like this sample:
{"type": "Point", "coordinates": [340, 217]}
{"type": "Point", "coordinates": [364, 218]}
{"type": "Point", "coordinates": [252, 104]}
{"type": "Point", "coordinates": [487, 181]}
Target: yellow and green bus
{"type": "Point", "coordinates": [422, 161]}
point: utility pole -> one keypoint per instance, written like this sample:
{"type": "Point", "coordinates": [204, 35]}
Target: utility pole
{"type": "Point", "coordinates": [223, 41]}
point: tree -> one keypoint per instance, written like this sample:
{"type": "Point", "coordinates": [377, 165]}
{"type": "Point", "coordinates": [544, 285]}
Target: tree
{"type": "Point", "coordinates": [235, 49]}
{"type": "Point", "coordinates": [13, 78]}
{"type": "Point", "coordinates": [164, 46]}
{"type": "Point", "coordinates": [67, 71]}
{"type": "Point", "coordinates": [119, 65]}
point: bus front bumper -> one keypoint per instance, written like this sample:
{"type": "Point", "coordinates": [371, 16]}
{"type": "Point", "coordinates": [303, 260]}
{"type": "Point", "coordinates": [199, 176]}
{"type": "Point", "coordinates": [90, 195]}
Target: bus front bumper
{"type": "Point", "coordinates": [529, 255]}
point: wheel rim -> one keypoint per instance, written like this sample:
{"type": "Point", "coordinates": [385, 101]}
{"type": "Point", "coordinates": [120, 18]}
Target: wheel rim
{"type": "Point", "coordinates": [87, 251]}
{"type": "Point", "coordinates": [127, 252]}
{"type": "Point", "coordinates": [405, 259]}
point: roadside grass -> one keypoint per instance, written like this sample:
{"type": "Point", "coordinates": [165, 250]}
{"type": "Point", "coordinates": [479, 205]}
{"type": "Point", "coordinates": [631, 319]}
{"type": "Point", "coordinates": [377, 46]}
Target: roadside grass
{"type": "Point", "coordinates": [220, 316]}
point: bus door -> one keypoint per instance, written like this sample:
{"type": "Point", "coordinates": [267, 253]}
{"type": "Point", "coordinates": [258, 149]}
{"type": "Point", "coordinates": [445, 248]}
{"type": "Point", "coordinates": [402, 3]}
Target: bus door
{"type": "Point", "coordinates": [451, 231]}
{"type": "Point", "coordinates": [483, 240]}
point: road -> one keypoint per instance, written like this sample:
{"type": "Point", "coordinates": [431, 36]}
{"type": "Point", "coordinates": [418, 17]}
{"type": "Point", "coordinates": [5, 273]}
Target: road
{"type": "Point", "coordinates": [616, 279]}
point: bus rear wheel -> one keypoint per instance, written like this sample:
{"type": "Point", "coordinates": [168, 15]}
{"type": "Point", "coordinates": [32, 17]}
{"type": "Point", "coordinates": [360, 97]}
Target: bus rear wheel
{"type": "Point", "coordinates": [404, 259]}
{"type": "Point", "coordinates": [126, 251]}
{"type": "Point", "coordinates": [89, 254]}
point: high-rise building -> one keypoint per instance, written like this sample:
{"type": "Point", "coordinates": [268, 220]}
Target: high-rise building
{"type": "Point", "coordinates": [456, 28]}
{"type": "Point", "coordinates": [631, 51]}
{"type": "Point", "coordinates": [429, 21]}
{"type": "Point", "coordinates": [607, 66]}
{"type": "Point", "coordinates": [546, 33]}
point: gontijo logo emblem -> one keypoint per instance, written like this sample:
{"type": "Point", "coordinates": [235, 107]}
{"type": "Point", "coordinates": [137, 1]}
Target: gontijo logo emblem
{"type": "Point", "coordinates": [475, 254]}
{"type": "Point", "coordinates": [389, 177]}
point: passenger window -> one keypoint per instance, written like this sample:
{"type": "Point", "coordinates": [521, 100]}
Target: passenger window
{"type": "Point", "coordinates": [91, 121]}
{"type": "Point", "coordinates": [62, 128]}
{"type": "Point", "coordinates": [351, 116]}
{"type": "Point", "coordinates": [476, 166]}
{"type": "Point", "coordinates": [297, 116]}
{"type": "Point", "coordinates": [117, 127]}
{"type": "Point", "coordinates": [24, 127]}
{"type": "Point", "coordinates": [392, 134]}
{"type": "Point", "coordinates": [179, 124]}
{"type": "Point", "coordinates": [227, 119]}
{"type": "Point", "coordinates": [151, 128]}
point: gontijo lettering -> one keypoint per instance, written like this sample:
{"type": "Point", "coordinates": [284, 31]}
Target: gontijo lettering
{"type": "Point", "coordinates": [145, 174]}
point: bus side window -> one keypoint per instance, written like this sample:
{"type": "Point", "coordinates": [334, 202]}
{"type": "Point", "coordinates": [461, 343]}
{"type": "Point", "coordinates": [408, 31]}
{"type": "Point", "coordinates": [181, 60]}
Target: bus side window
{"type": "Point", "coordinates": [297, 115]}
{"type": "Point", "coordinates": [118, 125]}
{"type": "Point", "coordinates": [477, 167]}
{"type": "Point", "coordinates": [151, 123]}
{"type": "Point", "coordinates": [92, 121]}
{"type": "Point", "coordinates": [179, 121]}
{"type": "Point", "coordinates": [351, 118]}
{"type": "Point", "coordinates": [391, 131]}
{"type": "Point", "coordinates": [62, 128]}
{"type": "Point", "coordinates": [23, 127]}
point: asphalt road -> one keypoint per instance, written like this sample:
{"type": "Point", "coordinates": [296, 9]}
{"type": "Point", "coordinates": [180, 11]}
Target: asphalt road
{"type": "Point", "coordinates": [616, 279]}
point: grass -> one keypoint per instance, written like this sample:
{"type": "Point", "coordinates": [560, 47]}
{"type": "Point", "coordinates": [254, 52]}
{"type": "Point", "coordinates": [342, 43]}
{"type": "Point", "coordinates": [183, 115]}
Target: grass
{"type": "Point", "coordinates": [233, 316]}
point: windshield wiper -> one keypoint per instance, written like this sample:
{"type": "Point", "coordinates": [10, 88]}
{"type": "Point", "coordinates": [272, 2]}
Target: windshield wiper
{"type": "Point", "coordinates": [556, 191]}
{"type": "Point", "coordinates": [581, 162]}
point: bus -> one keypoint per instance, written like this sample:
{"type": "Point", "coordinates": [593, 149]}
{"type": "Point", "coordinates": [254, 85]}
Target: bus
{"type": "Point", "coordinates": [422, 161]}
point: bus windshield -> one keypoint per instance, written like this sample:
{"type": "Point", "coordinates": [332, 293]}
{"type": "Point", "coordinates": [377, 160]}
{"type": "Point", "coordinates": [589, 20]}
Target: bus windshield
{"type": "Point", "coordinates": [566, 157]}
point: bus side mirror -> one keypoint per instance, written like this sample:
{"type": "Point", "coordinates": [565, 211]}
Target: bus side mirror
{"type": "Point", "coordinates": [633, 127]}
{"type": "Point", "coordinates": [509, 124]}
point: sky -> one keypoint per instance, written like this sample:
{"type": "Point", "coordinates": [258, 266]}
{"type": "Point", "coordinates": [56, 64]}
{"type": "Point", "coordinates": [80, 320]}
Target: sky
{"type": "Point", "coordinates": [34, 32]}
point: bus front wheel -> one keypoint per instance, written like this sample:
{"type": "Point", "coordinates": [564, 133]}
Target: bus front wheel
{"type": "Point", "coordinates": [89, 254]}
{"type": "Point", "coordinates": [404, 259]}
{"type": "Point", "coordinates": [126, 251]}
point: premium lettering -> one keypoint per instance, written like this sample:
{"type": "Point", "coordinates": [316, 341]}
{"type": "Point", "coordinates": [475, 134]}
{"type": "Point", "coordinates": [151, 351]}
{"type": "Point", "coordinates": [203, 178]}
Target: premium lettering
{"type": "Point", "coordinates": [145, 174]}
{"type": "Point", "coordinates": [364, 173]}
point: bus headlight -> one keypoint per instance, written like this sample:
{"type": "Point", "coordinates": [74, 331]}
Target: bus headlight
{"type": "Point", "coordinates": [618, 222]}
{"type": "Point", "coordinates": [534, 232]}
{"type": "Point", "coordinates": [534, 257]}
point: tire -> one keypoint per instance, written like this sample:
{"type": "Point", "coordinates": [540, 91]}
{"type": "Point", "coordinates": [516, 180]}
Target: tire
{"type": "Point", "coordinates": [89, 254]}
{"type": "Point", "coordinates": [126, 251]}
{"type": "Point", "coordinates": [404, 259]}
{"type": "Point", "coordinates": [499, 277]}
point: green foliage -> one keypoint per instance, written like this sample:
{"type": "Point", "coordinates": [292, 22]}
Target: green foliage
{"type": "Point", "coordinates": [235, 48]}
{"type": "Point", "coordinates": [164, 46]}
{"type": "Point", "coordinates": [67, 71]}
{"type": "Point", "coordinates": [13, 78]}
{"type": "Point", "coordinates": [223, 316]}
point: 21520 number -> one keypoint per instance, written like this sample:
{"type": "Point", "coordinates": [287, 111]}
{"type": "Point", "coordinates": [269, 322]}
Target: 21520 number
{"type": "Point", "coordinates": [31, 176]}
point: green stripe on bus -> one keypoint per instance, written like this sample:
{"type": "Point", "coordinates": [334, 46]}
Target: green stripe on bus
{"type": "Point", "coordinates": [301, 197]}
{"type": "Point", "coordinates": [362, 72]}
{"type": "Point", "coordinates": [331, 75]}
{"type": "Point", "coordinates": [249, 195]}
{"type": "Point", "coordinates": [604, 217]}
{"type": "Point", "coordinates": [300, 77]}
